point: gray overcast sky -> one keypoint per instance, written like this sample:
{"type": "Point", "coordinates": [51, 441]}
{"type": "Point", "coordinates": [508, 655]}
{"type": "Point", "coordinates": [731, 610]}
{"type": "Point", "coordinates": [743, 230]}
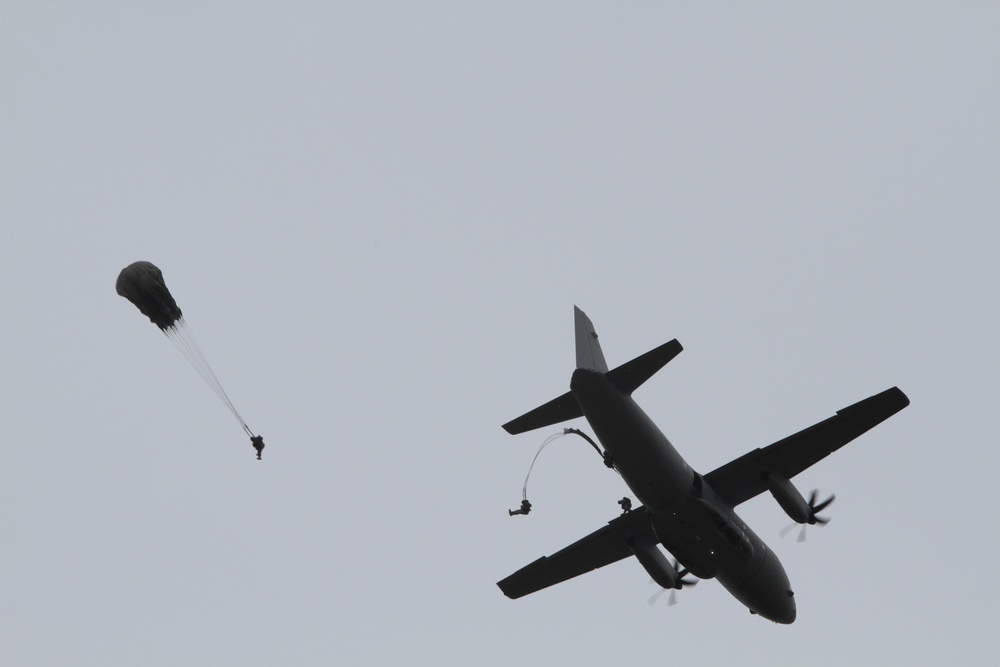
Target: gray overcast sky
{"type": "Point", "coordinates": [377, 218]}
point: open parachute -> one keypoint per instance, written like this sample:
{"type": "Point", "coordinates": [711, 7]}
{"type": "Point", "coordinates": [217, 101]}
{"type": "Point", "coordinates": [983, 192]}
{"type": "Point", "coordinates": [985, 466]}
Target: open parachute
{"type": "Point", "coordinates": [142, 284]}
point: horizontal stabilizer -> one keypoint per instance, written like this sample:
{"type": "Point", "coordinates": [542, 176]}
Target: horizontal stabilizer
{"type": "Point", "coordinates": [557, 410]}
{"type": "Point", "coordinates": [630, 375]}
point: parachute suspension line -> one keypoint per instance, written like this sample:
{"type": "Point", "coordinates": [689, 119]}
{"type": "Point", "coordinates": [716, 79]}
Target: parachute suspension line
{"type": "Point", "coordinates": [193, 353]}
{"type": "Point", "coordinates": [183, 339]}
{"type": "Point", "coordinates": [524, 489]}
{"type": "Point", "coordinates": [185, 342]}
{"type": "Point", "coordinates": [525, 505]}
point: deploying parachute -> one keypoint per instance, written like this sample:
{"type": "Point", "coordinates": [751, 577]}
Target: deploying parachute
{"type": "Point", "coordinates": [142, 284]}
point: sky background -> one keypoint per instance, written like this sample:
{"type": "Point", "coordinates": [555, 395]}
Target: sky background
{"type": "Point", "coordinates": [377, 218]}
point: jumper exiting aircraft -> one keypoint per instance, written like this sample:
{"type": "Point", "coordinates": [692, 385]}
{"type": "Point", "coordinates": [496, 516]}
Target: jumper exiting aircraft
{"type": "Point", "coordinates": [691, 515]}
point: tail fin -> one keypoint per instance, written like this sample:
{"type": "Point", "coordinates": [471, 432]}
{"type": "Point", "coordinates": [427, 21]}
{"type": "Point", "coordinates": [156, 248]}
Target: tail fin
{"type": "Point", "coordinates": [588, 348]}
{"type": "Point", "coordinates": [589, 356]}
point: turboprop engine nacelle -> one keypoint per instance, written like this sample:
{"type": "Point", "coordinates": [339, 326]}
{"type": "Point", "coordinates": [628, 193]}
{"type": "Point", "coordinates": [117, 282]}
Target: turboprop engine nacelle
{"type": "Point", "coordinates": [788, 497]}
{"type": "Point", "coordinates": [654, 562]}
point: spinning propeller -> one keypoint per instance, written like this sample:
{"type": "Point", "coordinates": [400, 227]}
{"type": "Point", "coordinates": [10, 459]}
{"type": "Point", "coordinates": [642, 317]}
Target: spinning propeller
{"type": "Point", "coordinates": [813, 519]}
{"type": "Point", "coordinates": [679, 583]}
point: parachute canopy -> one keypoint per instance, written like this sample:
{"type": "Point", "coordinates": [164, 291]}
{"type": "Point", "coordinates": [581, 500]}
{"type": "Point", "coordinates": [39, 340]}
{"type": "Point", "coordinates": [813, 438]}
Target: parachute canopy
{"type": "Point", "coordinates": [142, 284]}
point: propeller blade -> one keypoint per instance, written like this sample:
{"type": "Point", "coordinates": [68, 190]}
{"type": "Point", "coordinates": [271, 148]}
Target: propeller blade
{"type": "Point", "coordinates": [672, 600]}
{"type": "Point", "coordinates": [682, 582]}
{"type": "Point", "coordinates": [823, 505]}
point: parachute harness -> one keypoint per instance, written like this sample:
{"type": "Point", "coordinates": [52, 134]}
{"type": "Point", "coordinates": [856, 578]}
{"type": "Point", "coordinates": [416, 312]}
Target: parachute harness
{"type": "Point", "coordinates": [525, 504]}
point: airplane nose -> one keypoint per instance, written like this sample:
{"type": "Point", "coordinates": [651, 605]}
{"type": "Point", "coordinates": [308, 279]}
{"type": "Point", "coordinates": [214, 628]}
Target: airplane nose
{"type": "Point", "coordinates": [778, 610]}
{"type": "Point", "coordinates": [786, 612]}
{"type": "Point", "coordinates": [789, 615]}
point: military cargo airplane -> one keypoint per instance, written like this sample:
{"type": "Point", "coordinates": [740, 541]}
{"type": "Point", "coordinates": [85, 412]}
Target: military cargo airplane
{"type": "Point", "coordinates": [691, 515]}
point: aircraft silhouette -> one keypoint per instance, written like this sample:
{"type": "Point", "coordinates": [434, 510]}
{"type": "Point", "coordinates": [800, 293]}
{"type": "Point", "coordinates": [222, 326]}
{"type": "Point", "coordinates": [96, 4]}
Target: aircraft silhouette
{"type": "Point", "coordinates": [691, 515]}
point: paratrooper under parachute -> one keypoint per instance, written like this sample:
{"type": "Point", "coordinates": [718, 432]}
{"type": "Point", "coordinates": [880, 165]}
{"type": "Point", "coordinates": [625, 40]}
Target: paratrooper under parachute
{"type": "Point", "coordinates": [142, 284]}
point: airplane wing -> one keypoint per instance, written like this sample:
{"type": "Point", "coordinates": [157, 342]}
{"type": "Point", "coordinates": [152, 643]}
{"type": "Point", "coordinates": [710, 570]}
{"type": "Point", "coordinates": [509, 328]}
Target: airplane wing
{"type": "Point", "coordinates": [740, 480]}
{"type": "Point", "coordinates": [602, 547]}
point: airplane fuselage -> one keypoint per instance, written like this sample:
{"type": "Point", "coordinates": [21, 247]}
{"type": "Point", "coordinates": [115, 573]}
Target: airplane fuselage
{"type": "Point", "coordinates": [689, 519]}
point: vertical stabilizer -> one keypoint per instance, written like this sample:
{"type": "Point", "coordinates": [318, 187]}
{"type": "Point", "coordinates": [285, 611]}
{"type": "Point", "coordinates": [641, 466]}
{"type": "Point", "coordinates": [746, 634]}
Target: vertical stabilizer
{"type": "Point", "coordinates": [626, 377]}
{"type": "Point", "coordinates": [588, 349]}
